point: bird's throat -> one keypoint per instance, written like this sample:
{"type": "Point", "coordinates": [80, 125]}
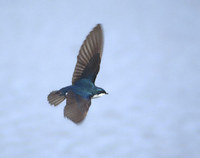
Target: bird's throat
{"type": "Point", "coordinates": [97, 95]}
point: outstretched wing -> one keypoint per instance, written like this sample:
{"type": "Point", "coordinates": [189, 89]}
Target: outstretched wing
{"type": "Point", "coordinates": [76, 108]}
{"type": "Point", "coordinates": [89, 58]}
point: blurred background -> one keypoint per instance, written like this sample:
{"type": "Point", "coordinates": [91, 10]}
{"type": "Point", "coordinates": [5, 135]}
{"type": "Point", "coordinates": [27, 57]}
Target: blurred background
{"type": "Point", "coordinates": [150, 68]}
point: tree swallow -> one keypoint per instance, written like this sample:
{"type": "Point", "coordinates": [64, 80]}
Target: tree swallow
{"type": "Point", "coordinates": [83, 88]}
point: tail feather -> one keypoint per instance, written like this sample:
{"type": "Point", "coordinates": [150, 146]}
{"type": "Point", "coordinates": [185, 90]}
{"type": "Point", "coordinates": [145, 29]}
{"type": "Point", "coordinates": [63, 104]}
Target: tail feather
{"type": "Point", "coordinates": [55, 98]}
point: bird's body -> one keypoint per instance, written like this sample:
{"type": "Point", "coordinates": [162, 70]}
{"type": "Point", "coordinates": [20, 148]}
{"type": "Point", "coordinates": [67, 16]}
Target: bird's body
{"type": "Point", "coordinates": [83, 89]}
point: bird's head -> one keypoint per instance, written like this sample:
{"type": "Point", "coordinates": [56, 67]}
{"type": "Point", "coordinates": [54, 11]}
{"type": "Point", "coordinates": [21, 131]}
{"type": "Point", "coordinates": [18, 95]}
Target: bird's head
{"type": "Point", "coordinates": [99, 92]}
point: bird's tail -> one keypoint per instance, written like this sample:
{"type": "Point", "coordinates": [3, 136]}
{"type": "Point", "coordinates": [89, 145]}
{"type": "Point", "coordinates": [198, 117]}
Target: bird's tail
{"type": "Point", "coordinates": [55, 98]}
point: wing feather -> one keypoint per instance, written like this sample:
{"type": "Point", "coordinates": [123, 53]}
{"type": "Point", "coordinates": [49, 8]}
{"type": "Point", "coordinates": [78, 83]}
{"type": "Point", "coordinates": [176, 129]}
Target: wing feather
{"type": "Point", "coordinates": [89, 58]}
{"type": "Point", "coordinates": [76, 108]}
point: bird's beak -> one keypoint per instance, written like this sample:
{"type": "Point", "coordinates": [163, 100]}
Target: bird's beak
{"type": "Point", "coordinates": [106, 93]}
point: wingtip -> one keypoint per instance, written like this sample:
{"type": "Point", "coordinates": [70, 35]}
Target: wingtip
{"type": "Point", "coordinates": [99, 26]}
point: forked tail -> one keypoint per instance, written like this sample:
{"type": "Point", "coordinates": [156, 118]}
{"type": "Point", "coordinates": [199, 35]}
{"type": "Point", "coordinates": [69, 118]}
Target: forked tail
{"type": "Point", "coordinates": [55, 97]}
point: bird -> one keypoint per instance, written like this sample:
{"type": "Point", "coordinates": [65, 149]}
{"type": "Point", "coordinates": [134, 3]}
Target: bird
{"type": "Point", "coordinates": [78, 95]}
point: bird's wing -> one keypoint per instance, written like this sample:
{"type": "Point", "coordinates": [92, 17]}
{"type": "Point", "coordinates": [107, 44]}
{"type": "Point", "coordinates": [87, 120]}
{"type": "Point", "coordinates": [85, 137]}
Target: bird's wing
{"type": "Point", "coordinates": [89, 58]}
{"type": "Point", "coordinates": [76, 108]}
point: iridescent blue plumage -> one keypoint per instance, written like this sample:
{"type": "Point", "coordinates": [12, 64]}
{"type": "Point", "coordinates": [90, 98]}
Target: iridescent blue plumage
{"type": "Point", "coordinates": [83, 89]}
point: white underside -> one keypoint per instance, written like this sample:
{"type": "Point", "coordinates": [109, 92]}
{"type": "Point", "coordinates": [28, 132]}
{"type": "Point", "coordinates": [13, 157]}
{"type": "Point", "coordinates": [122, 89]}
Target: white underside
{"type": "Point", "coordinates": [98, 95]}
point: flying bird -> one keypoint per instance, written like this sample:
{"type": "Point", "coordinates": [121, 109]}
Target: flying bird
{"type": "Point", "coordinates": [78, 95]}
